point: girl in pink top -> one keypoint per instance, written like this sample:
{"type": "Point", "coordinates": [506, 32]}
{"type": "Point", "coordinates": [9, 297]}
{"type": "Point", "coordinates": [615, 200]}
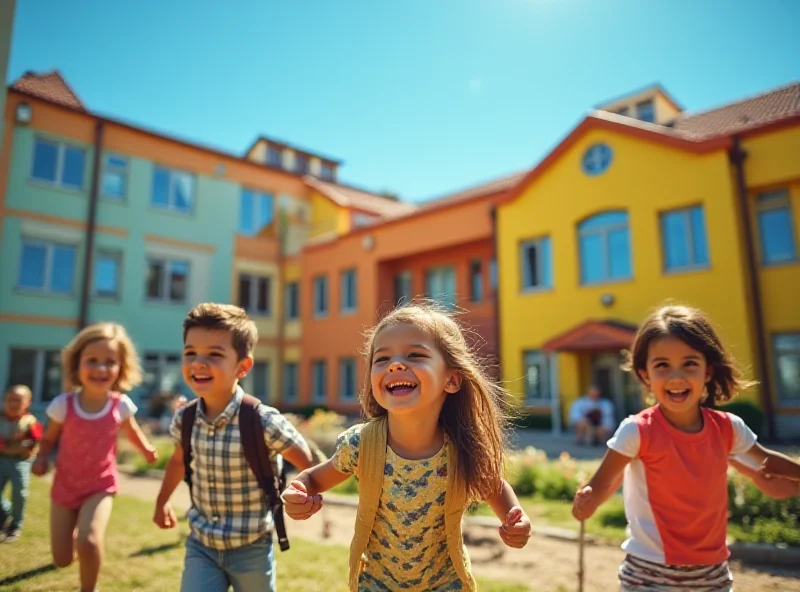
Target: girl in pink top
{"type": "Point", "coordinates": [672, 459]}
{"type": "Point", "coordinates": [97, 363]}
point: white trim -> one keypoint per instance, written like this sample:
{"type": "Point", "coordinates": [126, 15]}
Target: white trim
{"type": "Point", "coordinates": [167, 280]}
{"type": "Point", "coordinates": [171, 200]}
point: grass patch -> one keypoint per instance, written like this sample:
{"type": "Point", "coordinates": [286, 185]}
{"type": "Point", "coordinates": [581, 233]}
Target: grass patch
{"type": "Point", "coordinates": [142, 558]}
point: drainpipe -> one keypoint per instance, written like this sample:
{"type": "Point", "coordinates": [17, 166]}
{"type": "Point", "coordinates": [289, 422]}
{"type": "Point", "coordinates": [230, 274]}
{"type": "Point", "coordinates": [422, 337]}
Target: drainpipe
{"type": "Point", "coordinates": [737, 157]}
{"type": "Point", "coordinates": [497, 334]}
{"type": "Point", "coordinates": [91, 226]}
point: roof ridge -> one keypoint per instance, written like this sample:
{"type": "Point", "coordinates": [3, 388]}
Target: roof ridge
{"type": "Point", "coordinates": [472, 187]}
{"type": "Point", "coordinates": [758, 95]}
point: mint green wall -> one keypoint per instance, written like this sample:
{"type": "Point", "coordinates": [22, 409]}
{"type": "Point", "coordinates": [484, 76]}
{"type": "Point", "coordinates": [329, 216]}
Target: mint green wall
{"type": "Point", "coordinates": [154, 327]}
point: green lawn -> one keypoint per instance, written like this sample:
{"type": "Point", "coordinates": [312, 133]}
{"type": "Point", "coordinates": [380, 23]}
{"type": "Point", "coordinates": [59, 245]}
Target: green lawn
{"type": "Point", "coordinates": [141, 557]}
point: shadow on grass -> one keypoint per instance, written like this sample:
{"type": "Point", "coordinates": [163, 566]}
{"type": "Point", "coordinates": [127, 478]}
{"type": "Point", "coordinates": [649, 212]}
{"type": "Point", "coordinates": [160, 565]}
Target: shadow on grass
{"type": "Point", "coordinates": [148, 551]}
{"type": "Point", "coordinates": [31, 573]}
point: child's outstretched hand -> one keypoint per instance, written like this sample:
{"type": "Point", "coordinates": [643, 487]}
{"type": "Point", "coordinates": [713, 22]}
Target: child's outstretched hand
{"type": "Point", "coordinates": [584, 504]}
{"type": "Point", "coordinates": [165, 516]}
{"type": "Point", "coordinates": [39, 467]}
{"type": "Point", "coordinates": [516, 530]}
{"type": "Point", "coordinates": [298, 504]}
{"type": "Point", "coordinates": [150, 455]}
{"type": "Point", "coordinates": [776, 466]}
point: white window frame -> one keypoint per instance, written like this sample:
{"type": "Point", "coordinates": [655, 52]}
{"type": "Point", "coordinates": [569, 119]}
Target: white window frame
{"type": "Point", "coordinates": [39, 366]}
{"type": "Point", "coordinates": [529, 358]}
{"type": "Point", "coordinates": [50, 247]}
{"type": "Point", "coordinates": [168, 261]}
{"type": "Point", "coordinates": [319, 391]}
{"type": "Point", "coordinates": [348, 305]}
{"type": "Point", "coordinates": [110, 254]}
{"type": "Point", "coordinates": [343, 364]}
{"type": "Point", "coordinates": [441, 270]}
{"type": "Point", "coordinates": [295, 371]}
{"type": "Point", "coordinates": [122, 171]}
{"type": "Point", "coordinates": [605, 231]}
{"type": "Point", "coordinates": [254, 281]}
{"type": "Point", "coordinates": [525, 280]}
{"type": "Point", "coordinates": [321, 306]}
{"type": "Point", "coordinates": [61, 149]}
{"type": "Point", "coordinates": [171, 206]}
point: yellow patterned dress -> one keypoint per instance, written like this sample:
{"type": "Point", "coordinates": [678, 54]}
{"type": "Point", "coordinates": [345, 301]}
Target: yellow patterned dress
{"type": "Point", "coordinates": [407, 549]}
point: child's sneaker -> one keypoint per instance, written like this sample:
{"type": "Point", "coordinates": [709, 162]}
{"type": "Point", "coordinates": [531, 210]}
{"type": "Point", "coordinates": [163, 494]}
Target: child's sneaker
{"type": "Point", "coordinates": [12, 535]}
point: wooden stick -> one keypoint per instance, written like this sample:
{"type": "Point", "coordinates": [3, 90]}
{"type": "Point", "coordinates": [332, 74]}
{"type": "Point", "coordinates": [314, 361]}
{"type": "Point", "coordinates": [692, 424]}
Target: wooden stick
{"type": "Point", "coordinates": [581, 539]}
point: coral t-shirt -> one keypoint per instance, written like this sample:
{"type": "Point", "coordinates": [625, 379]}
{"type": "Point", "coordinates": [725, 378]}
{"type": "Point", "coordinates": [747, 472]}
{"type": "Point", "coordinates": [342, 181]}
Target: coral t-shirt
{"type": "Point", "coordinates": [675, 488]}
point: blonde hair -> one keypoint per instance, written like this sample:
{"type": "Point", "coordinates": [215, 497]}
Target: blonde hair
{"type": "Point", "coordinates": [473, 417]}
{"type": "Point", "coordinates": [224, 317]}
{"type": "Point", "coordinates": [22, 389]}
{"type": "Point", "coordinates": [130, 372]}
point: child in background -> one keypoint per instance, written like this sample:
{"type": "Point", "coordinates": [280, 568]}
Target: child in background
{"type": "Point", "coordinates": [98, 363]}
{"type": "Point", "coordinates": [432, 445]}
{"type": "Point", "coordinates": [20, 433]}
{"type": "Point", "coordinates": [674, 457]}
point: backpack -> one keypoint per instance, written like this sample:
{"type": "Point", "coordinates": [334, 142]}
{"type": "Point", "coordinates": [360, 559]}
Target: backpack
{"type": "Point", "coordinates": [256, 453]}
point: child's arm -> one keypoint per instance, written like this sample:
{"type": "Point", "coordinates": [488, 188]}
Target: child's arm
{"type": "Point", "coordinates": [138, 439]}
{"type": "Point", "coordinates": [775, 488]}
{"type": "Point", "coordinates": [302, 499]}
{"type": "Point", "coordinates": [601, 486]}
{"type": "Point", "coordinates": [49, 440]}
{"type": "Point", "coordinates": [516, 528]}
{"type": "Point", "coordinates": [299, 455]}
{"type": "Point", "coordinates": [164, 515]}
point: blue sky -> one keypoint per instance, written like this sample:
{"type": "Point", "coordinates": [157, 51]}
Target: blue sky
{"type": "Point", "coordinates": [420, 97]}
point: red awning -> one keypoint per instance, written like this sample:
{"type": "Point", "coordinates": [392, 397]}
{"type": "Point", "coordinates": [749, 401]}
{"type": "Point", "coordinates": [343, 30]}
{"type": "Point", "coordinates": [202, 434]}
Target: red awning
{"type": "Point", "coordinates": [593, 336]}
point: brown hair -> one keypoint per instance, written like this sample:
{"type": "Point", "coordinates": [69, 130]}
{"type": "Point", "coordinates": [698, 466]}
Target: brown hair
{"type": "Point", "coordinates": [693, 327]}
{"type": "Point", "coordinates": [130, 372]}
{"type": "Point", "coordinates": [473, 417]}
{"type": "Point", "coordinates": [22, 389]}
{"type": "Point", "coordinates": [224, 317]}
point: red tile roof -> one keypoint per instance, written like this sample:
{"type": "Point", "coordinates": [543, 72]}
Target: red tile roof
{"type": "Point", "coordinates": [349, 197]}
{"type": "Point", "coordinates": [769, 107]}
{"type": "Point", "coordinates": [488, 188]}
{"type": "Point", "coordinates": [51, 87]}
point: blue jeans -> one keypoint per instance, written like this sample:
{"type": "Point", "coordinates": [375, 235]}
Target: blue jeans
{"type": "Point", "coordinates": [18, 472]}
{"type": "Point", "coordinates": [248, 569]}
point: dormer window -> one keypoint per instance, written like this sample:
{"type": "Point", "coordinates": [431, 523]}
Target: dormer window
{"type": "Point", "coordinates": [301, 163]}
{"type": "Point", "coordinates": [326, 172]}
{"type": "Point", "coordinates": [645, 111]}
{"type": "Point", "coordinates": [625, 112]}
{"type": "Point", "coordinates": [274, 157]}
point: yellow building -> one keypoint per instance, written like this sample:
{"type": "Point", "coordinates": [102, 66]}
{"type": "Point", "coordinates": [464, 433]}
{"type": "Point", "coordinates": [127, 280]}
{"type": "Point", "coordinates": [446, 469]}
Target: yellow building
{"type": "Point", "coordinates": [642, 203]}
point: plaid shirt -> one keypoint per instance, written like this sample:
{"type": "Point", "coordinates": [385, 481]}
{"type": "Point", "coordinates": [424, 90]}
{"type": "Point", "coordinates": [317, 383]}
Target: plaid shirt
{"type": "Point", "coordinates": [229, 509]}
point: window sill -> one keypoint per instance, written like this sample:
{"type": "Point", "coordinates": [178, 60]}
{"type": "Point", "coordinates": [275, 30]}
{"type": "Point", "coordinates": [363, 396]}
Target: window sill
{"type": "Point", "coordinates": [348, 312]}
{"type": "Point", "coordinates": [171, 212]}
{"type": "Point", "coordinates": [76, 191]}
{"type": "Point", "coordinates": [23, 291]}
{"type": "Point", "coordinates": [777, 264]}
{"type": "Point", "coordinates": [609, 282]}
{"type": "Point", "coordinates": [687, 269]}
{"type": "Point", "coordinates": [536, 290]}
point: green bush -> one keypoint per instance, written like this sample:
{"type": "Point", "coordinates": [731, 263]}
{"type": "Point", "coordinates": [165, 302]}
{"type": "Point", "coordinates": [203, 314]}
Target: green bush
{"type": "Point", "coordinates": [532, 421]}
{"type": "Point", "coordinates": [349, 487]}
{"type": "Point", "coordinates": [530, 473]}
{"type": "Point", "coordinates": [754, 517]}
{"type": "Point", "coordinates": [611, 514]}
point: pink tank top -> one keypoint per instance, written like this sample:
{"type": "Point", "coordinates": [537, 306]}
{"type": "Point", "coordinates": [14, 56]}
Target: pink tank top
{"type": "Point", "coordinates": [87, 455]}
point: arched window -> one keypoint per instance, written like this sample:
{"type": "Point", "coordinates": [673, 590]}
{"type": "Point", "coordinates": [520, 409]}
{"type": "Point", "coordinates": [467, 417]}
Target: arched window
{"type": "Point", "coordinates": [605, 248]}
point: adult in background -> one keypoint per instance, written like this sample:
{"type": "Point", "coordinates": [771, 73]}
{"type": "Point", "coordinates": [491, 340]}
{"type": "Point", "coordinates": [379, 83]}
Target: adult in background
{"type": "Point", "coordinates": [592, 417]}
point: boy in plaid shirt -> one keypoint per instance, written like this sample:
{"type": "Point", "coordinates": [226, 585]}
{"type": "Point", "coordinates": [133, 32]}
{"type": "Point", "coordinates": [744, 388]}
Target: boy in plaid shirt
{"type": "Point", "coordinates": [230, 519]}
{"type": "Point", "coordinates": [20, 433]}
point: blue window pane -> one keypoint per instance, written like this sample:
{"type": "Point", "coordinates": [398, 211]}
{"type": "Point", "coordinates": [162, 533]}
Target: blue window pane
{"type": "Point", "coordinates": [32, 267]}
{"type": "Point", "coordinates": [592, 258]}
{"type": "Point", "coordinates": [179, 275]}
{"type": "Point", "coordinates": [699, 241]}
{"type": "Point", "coordinates": [184, 190]}
{"type": "Point", "coordinates": [63, 269]}
{"type": "Point", "coordinates": [544, 258]}
{"type": "Point", "coordinates": [777, 239]}
{"type": "Point", "coordinates": [113, 184]}
{"type": "Point", "coordinates": [116, 161]}
{"type": "Point", "coordinates": [603, 220]}
{"type": "Point", "coordinates": [45, 161]}
{"type": "Point", "coordinates": [619, 254]}
{"type": "Point", "coordinates": [160, 188]}
{"type": "Point", "coordinates": [676, 240]}
{"type": "Point", "coordinates": [105, 275]}
{"type": "Point", "coordinates": [74, 160]}
{"type": "Point", "coordinates": [264, 210]}
{"type": "Point", "coordinates": [246, 218]}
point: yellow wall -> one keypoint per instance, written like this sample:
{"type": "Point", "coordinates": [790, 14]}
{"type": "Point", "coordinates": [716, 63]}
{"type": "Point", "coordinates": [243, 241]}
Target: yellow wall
{"type": "Point", "coordinates": [645, 179]}
{"type": "Point", "coordinates": [327, 217]}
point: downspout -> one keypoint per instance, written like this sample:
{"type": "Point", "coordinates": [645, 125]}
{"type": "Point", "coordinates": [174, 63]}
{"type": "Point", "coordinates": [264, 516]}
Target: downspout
{"type": "Point", "coordinates": [737, 157]}
{"type": "Point", "coordinates": [495, 249]}
{"type": "Point", "coordinates": [91, 226]}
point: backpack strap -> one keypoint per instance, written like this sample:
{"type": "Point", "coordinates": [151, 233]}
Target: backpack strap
{"type": "Point", "coordinates": [187, 423]}
{"type": "Point", "coordinates": [258, 457]}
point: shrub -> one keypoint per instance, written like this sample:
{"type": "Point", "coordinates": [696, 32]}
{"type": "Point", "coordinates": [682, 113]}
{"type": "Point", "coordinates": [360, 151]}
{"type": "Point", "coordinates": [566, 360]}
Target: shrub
{"type": "Point", "coordinates": [753, 516]}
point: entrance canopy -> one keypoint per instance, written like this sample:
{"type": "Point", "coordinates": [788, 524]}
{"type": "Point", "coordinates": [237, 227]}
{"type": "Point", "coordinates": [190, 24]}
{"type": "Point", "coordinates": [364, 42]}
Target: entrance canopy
{"type": "Point", "coordinates": [593, 336]}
